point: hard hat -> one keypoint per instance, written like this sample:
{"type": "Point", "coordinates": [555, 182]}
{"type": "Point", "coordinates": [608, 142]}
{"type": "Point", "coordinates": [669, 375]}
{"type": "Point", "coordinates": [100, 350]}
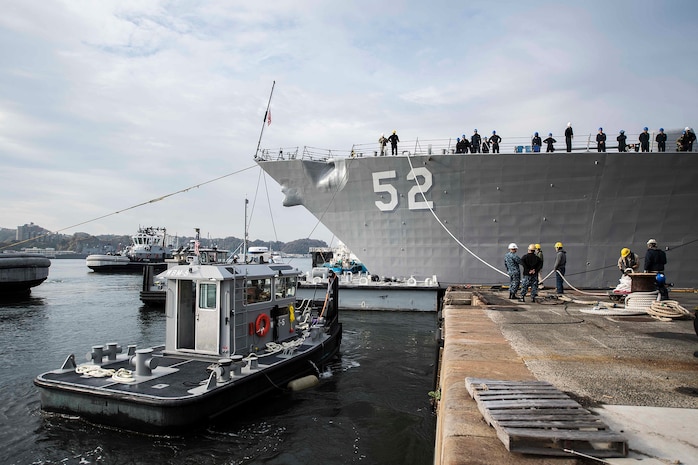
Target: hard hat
{"type": "Point", "coordinates": [531, 247]}
{"type": "Point", "coordinates": [476, 130]}
{"type": "Point", "coordinates": [535, 133]}
{"type": "Point", "coordinates": [661, 279]}
{"type": "Point", "coordinates": [622, 131]}
{"type": "Point", "coordinates": [458, 139]}
{"type": "Point", "coordinates": [513, 246]}
{"type": "Point", "coordinates": [661, 129]}
{"type": "Point", "coordinates": [569, 124]}
{"type": "Point", "coordinates": [600, 129]}
{"type": "Point", "coordinates": [494, 132]}
{"type": "Point", "coordinates": [382, 134]}
{"type": "Point", "coordinates": [651, 242]}
{"type": "Point", "coordinates": [687, 128]}
{"type": "Point", "coordinates": [394, 131]}
{"type": "Point", "coordinates": [558, 245]}
{"type": "Point", "coordinates": [624, 252]}
{"type": "Point", "coordinates": [645, 128]}
{"type": "Point", "coordinates": [550, 133]}
{"type": "Point", "coordinates": [537, 246]}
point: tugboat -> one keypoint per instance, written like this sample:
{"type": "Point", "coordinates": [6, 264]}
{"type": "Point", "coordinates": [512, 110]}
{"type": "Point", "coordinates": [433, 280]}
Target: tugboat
{"type": "Point", "coordinates": [234, 332]}
{"type": "Point", "coordinates": [148, 247]}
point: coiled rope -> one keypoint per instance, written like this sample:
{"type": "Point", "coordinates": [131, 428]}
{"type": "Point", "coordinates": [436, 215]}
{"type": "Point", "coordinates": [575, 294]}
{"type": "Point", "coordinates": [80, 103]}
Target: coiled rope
{"type": "Point", "coordinates": [668, 310]}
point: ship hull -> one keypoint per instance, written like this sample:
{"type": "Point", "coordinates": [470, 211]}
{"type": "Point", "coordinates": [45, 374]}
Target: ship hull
{"type": "Point", "coordinates": [455, 218]}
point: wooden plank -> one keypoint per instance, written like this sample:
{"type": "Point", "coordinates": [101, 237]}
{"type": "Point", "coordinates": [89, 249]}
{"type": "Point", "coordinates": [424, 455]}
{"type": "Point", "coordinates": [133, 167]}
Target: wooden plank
{"type": "Point", "coordinates": [534, 417]}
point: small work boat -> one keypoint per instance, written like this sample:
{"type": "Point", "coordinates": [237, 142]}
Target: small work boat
{"type": "Point", "coordinates": [19, 272]}
{"type": "Point", "coordinates": [148, 247]}
{"type": "Point", "coordinates": [234, 332]}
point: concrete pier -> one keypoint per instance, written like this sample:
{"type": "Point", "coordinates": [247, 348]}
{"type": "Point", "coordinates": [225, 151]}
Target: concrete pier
{"type": "Point", "coordinates": [631, 362]}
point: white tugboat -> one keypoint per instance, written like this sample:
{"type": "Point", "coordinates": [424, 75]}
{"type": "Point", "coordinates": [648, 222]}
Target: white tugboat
{"type": "Point", "coordinates": [148, 247]}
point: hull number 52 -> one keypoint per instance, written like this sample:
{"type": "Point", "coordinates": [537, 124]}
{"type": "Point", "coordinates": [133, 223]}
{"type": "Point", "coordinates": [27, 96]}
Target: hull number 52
{"type": "Point", "coordinates": [383, 184]}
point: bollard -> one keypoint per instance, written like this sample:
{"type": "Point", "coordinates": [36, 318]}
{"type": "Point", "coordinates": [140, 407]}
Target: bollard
{"type": "Point", "coordinates": [96, 355]}
{"type": "Point", "coordinates": [131, 350]}
{"type": "Point", "coordinates": [144, 362]}
{"type": "Point", "coordinates": [237, 365]}
{"type": "Point", "coordinates": [223, 370]}
{"type": "Point", "coordinates": [254, 361]}
{"type": "Point", "coordinates": [112, 349]}
{"type": "Point", "coordinates": [315, 332]}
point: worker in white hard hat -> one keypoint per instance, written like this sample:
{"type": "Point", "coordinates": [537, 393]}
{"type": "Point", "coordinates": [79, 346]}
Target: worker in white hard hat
{"type": "Point", "coordinates": [531, 267]}
{"type": "Point", "coordinates": [655, 259]}
{"type": "Point", "coordinates": [559, 267]}
{"type": "Point", "coordinates": [512, 264]}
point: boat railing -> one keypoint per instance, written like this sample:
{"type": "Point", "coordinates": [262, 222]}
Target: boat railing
{"type": "Point", "coordinates": [580, 143]}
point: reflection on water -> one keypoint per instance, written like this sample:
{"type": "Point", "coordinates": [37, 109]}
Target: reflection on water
{"type": "Point", "coordinates": [372, 408]}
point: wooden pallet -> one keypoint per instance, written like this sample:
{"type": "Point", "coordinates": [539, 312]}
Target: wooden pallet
{"type": "Point", "coordinates": [533, 417]}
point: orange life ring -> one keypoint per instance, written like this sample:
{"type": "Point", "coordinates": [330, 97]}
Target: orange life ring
{"type": "Point", "coordinates": [262, 325]}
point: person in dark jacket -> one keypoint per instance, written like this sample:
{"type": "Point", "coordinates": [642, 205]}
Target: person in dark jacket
{"type": "Point", "coordinates": [644, 140]}
{"type": "Point", "coordinates": [394, 139]}
{"type": "Point", "coordinates": [459, 145]}
{"type": "Point", "coordinates": [550, 141]}
{"type": "Point", "coordinates": [531, 267]}
{"type": "Point", "coordinates": [601, 141]}
{"type": "Point", "coordinates": [569, 134]}
{"type": "Point", "coordinates": [690, 139]}
{"type": "Point", "coordinates": [661, 140]}
{"type": "Point", "coordinates": [536, 142]}
{"type": "Point", "coordinates": [655, 259]}
{"type": "Point", "coordinates": [495, 140]}
{"type": "Point", "coordinates": [475, 142]}
{"type": "Point", "coordinates": [559, 266]}
{"type": "Point", "coordinates": [621, 141]}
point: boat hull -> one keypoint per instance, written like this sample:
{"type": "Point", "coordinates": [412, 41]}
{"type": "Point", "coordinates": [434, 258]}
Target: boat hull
{"type": "Point", "coordinates": [119, 264]}
{"type": "Point", "coordinates": [473, 206]}
{"type": "Point", "coordinates": [20, 272]}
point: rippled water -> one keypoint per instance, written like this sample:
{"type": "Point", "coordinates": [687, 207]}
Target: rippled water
{"type": "Point", "coordinates": [374, 409]}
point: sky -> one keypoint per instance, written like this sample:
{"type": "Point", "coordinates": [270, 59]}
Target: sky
{"type": "Point", "coordinates": [108, 105]}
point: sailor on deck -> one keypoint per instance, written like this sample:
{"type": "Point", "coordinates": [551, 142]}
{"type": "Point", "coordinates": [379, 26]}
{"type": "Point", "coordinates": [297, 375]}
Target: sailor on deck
{"type": "Point", "coordinates": [512, 264]}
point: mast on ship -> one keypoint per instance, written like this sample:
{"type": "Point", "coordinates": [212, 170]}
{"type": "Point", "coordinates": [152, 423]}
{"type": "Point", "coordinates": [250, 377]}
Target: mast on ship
{"type": "Point", "coordinates": [267, 119]}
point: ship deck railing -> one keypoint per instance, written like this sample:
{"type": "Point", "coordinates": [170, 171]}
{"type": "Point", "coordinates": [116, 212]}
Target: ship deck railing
{"type": "Point", "coordinates": [417, 147]}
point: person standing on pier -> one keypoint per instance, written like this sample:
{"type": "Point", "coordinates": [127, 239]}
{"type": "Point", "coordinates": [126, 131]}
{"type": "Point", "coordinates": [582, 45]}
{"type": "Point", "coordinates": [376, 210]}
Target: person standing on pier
{"type": "Point", "coordinates": [644, 140]}
{"type": "Point", "coordinates": [495, 140]}
{"type": "Point", "coordinates": [539, 254]}
{"type": "Point", "coordinates": [661, 140]}
{"type": "Point", "coordinates": [512, 263]}
{"type": "Point", "coordinates": [569, 134]}
{"type": "Point", "coordinates": [531, 268]}
{"type": "Point", "coordinates": [394, 139]}
{"type": "Point", "coordinates": [655, 259]}
{"type": "Point", "coordinates": [550, 141]}
{"type": "Point", "coordinates": [536, 142]}
{"type": "Point", "coordinates": [559, 267]}
{"type": "Point", "coordinates": [382, 141]}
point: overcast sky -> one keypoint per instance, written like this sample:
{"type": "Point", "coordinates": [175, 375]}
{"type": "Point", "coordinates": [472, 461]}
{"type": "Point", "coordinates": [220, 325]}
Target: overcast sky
{"type": "Point", "coordinates": [109, 104]}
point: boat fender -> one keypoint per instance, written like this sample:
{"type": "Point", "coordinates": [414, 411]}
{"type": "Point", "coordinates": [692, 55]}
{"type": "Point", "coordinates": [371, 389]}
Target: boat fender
{"type": "Point", "coordinates": [262, 325]}
{"type": "Point", "coordinates": [363, 280]}
{"type": "Point", "coordinates": [412, 281]}
{"type": "Point", "coordinates": [303, 383]}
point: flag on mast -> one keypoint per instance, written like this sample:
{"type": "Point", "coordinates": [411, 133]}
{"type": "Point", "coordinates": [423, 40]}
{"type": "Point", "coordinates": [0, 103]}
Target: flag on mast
{"type": "Point", "coordinates": [268, 117]}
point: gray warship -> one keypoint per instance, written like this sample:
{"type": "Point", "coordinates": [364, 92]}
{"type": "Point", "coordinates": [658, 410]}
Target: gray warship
{"type": "Point", "coordinates": [429, 211]}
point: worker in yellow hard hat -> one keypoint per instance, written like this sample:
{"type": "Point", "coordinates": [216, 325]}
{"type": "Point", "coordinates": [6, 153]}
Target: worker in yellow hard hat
{"type": "Point", "coordinates": [629, 261]}
{"type": "Point", "coordinates": [539, 254]}
{"type": "Point", "coordinates": [559, 267]}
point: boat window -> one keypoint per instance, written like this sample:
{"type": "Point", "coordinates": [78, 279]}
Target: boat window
{"type": "Point", "coordinates": [257, 290]}
{"type": "Point", "coordinates": [207, 295]}
{"type": "Point", "coordinates": [285, 287]}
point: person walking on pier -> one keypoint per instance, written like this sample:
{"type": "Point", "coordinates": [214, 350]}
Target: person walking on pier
{"type": "Point", "coordinates": [569, 134]}
{"type": "Point", "coordinates": [601, 141]}
{"type": "Point", "coordinates": [661, 140]}
{"type": "Point", "coordinates": [512, 262]}
{"type": "Point", "coordinates": [394, 139]}
{"type": "Point", "coordinates": [621, 140]}
{"type": "Point", "coordinates": [495, 140]}
{"type": "Point", "coordinates": [559, 267]}
{"type": "Point", "coordinates": [550, 141]}
{"type": "Point", "coordinates": [644, 140]}
{"type": "Point", "coordinates": [531, 267]}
